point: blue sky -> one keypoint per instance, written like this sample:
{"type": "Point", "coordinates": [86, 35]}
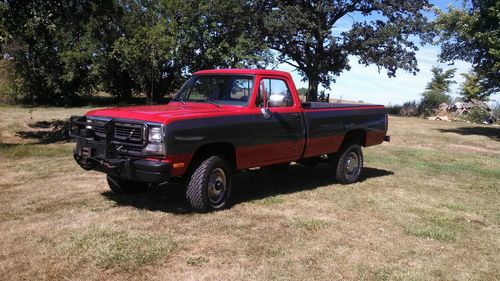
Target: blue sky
{"type": "Point", "coordinates": [369, 85]}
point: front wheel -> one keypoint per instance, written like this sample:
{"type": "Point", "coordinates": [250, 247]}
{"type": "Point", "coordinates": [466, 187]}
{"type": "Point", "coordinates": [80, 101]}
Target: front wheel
{"type": "Point", "coordinates": [348, 163]}
{"type": "Point", "coordinates": [210, 185]}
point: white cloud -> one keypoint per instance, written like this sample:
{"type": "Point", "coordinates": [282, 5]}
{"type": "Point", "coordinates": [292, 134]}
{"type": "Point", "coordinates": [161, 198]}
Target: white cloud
{"type": "Point", "coordinates": [370, 85]}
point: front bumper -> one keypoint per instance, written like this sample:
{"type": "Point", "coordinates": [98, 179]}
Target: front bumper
{"type": "Point", "coordinates": [131, 169]}
{"type": "Point", "coordinates": [105, 156]}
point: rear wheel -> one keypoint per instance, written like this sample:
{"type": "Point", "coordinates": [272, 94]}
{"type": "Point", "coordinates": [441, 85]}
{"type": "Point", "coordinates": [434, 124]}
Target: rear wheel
{"type": "Point", "coordinates": [122, 186]}
{"type": "Point", "coordinates": [209, 187]}
{"type": "Point", "coordinates": [347, 164]}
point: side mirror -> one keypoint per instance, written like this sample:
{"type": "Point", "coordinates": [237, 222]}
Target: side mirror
{"type": "Point", "coordinates": [277, 100]}
{"type": "Point", "coordinates": [266, 113]}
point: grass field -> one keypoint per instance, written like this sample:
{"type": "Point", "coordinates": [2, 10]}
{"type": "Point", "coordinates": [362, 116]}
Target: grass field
{"type": "Point", "coordinates": [428, 208]}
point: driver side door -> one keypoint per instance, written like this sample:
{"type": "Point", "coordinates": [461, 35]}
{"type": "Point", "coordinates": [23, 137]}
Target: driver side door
{"type": "Point", "coordinates": [279, 137]}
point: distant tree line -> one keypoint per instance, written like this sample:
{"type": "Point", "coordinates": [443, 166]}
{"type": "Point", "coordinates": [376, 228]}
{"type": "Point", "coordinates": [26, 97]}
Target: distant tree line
{"type": "Point", "coordinates": [436, 98]}
{"type": "Point", "coordinates": [62, 51]}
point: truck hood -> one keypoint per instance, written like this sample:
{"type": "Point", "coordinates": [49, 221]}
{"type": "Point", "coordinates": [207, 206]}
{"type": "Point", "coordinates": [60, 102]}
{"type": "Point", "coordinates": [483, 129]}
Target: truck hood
{"type": "Point", "coordinates": [165, 113]}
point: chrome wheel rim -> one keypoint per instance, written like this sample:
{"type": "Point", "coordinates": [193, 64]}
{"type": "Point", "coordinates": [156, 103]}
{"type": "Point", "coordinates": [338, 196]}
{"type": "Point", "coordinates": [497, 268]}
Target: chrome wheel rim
{"type": "Point", "coordinates": [217, 185]}
{"type": "Point", "coordinates": [352, 163]}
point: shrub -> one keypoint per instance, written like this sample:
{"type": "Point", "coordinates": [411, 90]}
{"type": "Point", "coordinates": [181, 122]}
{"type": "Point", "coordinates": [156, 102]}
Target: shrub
{"type": "Point", "coordinates": [409, 108]}
{"type": "Point", "coordinates": [9, 81]}
{"type": "Point", "coordinates": [495, 110]}
{"type": "Point", "coordinates": [431, 100]}
{"type": "Point", "coordinates": [394, 109]}
{"type": "Point", "coordinates": [477, 115]}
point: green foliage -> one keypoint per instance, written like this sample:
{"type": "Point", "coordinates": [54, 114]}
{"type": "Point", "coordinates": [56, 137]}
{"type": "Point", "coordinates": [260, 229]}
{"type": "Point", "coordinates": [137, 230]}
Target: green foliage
{"type": "Point", "coordinates": [66, 50]}
{"type": "Point", "coordinates": [302, 91]}
{"type": "Point", "coordinates": [49, 46]}
{"type": "Point", "coordinates": [495, 110]}
{"type": "Point", "coordinates": [436, 91]}
{"type": "Point", "coordinates": [471, 88]}
{"type": "Point", "coordinates": [123, 251]}
{"type": "Point", "coordinates": [304, 34]}
{"type": "Point", "coordinates": [409, 108]}
{"type": "Point", "coordinates": [9, 82]}
{"type": "Point", "coordinates": [472, 34]}
{"type": "Point", "coordinates": [477, 115]}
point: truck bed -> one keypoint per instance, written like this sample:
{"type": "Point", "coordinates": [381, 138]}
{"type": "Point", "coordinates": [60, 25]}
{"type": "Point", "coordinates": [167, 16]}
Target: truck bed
{"type": "Point", "coordinates": [328, 123]}
{"type": "Point", "coordinates": [320, 105]}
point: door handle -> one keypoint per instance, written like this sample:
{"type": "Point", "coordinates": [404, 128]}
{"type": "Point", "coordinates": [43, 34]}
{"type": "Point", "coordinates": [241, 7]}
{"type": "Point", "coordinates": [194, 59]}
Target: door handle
{"type": "Point", "coordinates": [295, 116]}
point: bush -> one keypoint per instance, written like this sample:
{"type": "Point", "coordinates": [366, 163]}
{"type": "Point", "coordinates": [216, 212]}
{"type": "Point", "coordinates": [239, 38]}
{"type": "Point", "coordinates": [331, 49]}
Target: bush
{"type": "Point", "coordinates": [394, 109]}
{"type": "Point", "coordinates": [495, 110]}
{"type": "Point", "coordinates": [409, 108]}
{"type": "Point", "coordinates": [8, 83]}
{"type": "Point", "coordinates": [477, 115]}
{"type": "Point", "coordinates": [431, 100]}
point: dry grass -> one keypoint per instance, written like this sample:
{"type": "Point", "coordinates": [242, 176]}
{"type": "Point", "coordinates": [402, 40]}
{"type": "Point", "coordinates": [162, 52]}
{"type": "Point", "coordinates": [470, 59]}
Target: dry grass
{"type": "Point", "coordinates": [427, 209]}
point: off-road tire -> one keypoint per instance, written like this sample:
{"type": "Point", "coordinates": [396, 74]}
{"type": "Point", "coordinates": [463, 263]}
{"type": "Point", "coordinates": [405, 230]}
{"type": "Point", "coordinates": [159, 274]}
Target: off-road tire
{"type": "Point", "coordinates": [344, 173]}
{"type": "Point", "coordinates": [122, 186]}
{"type": "Point", "coordinates": [197, 192]}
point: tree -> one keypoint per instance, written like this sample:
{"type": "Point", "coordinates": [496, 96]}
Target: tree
{"type": "Point", "coordinates": [471, 87]}
{"type": "Point", "coordinates": [304, 35]}
{"type": "Point", "coordinates": [67, 49]}
{"type": "Point", "coordinates": [436, 91]}
{"type": "Point", "coordinates": [164, 41]}
{"type": "Point", "coordinates": [50, 47]}
{"type": "Point", "coordinates": [472, 34]}
{"type": "Point", "coordinates": [302, 91]}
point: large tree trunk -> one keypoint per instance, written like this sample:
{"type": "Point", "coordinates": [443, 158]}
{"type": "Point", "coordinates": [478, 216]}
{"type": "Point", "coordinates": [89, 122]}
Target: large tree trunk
{"type": "Point", "coordinates": [312, 93]}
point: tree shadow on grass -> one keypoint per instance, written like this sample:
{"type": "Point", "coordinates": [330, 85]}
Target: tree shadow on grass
{"type": "Point", "coordinates": [46, 132]}
{"type": "Point", "coordinates": [490, 132]}
{"type": "Point", "coordinates": [247, 186]}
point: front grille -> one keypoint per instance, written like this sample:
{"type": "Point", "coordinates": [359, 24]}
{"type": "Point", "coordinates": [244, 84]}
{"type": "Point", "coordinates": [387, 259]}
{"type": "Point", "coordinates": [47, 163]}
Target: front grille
{"type": "Point", "coordinates": [99, 129]}
{"type": "Point", "coordinates": [128, 137]}
{"type": "Point", "coordinates": [129, 132]}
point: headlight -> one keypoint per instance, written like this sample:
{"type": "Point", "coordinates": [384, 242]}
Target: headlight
{"type": "Point", "coordinates": [155, 140]}
{"type": "Point", "coordinates": [155, 135]}
{"type": "Point", "coordinates": [89, 124]}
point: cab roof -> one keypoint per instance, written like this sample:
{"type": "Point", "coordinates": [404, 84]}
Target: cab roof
{"type": "Point", "coordinates": [244, 71]}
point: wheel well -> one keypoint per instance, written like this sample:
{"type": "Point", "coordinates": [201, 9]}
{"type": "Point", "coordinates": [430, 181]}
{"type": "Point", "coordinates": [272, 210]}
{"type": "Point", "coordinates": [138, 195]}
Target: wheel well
{"type": "Point", "coordinates": [224, 149]}
{"type": "Point", "coordinates": [355, 136]}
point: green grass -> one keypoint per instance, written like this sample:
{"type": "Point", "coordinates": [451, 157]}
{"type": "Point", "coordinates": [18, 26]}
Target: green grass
{"type": "Point", "coordinates": [437, 225]}
{"type": "Point", "coordinates": [271, 200]}
{"type": "Point", "coordinates": [454, 207]}
{"type": "Point", "coordinates": [17, 151]}
{"type": "Point", "coordinates": [438, 163]}
{"type": "Point", "coordinates": [120, 250]}
{"type": "Point", "coordinates": [426, 209]}
{"type": "Point", "coordinates": [310, 225]}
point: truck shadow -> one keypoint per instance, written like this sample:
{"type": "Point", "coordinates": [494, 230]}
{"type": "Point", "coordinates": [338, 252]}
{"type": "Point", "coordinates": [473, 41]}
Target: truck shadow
{"type": "Point", "coordinates": [247, 186]}
{"type": "Point", "coordinates": [490, 132]}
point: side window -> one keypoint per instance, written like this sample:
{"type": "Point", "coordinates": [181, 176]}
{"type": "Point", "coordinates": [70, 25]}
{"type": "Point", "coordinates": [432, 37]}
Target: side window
{"type": "Point", "coordinates": [241, 89]}
{"type": "Point", "coordinates": [278, 94]}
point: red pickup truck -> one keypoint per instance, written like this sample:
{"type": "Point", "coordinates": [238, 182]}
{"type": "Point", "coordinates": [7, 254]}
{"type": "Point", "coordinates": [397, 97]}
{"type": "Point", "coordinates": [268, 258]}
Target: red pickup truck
{"type": "Point", "coordinates": [221, 122]}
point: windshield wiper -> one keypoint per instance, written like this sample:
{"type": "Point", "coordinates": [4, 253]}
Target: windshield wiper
{"type": "Point", "coordinates": [214, 103]}
{"type": "Point", "coordinates": [179, 99]}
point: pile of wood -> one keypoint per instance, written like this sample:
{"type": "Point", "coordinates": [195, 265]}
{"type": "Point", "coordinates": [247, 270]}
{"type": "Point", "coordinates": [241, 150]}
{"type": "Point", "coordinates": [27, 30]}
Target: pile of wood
{"type": "Point", "coordinates": [453, 112]}
{"type": "Point", "coordinates": [464, 107]}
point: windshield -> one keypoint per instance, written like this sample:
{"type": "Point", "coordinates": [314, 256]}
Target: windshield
{"type": "Point", "coordinates": [218, 89]}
